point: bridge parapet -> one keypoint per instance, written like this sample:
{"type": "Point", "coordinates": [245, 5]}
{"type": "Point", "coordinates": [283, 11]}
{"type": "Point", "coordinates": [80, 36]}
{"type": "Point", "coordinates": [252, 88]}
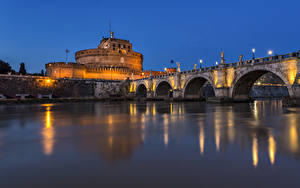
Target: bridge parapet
{"type": "Point", "coordinates": [230, 81]}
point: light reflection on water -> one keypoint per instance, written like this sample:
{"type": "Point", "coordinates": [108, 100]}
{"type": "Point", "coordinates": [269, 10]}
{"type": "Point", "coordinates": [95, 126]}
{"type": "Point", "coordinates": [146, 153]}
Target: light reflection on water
{"type": "Point", "coordinates": [106, 136]}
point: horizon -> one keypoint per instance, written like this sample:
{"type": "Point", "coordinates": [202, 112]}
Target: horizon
{"type": "Point", "coordinates": [185, 32]}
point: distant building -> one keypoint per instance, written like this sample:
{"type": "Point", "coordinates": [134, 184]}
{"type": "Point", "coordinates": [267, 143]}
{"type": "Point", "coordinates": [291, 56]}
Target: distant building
{"type": "Point", "coordinates": [170, 70]}
{"type": "Point", "coordinates": [113, 59]}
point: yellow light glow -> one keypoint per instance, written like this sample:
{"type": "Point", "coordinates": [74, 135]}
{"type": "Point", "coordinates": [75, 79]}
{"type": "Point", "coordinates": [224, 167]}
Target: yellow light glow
{"type": "Point", "coordinates": [132, 109]}
{"type": "Point", "coordinates": [166, 129]}
{"type": "Point", "coordinates": [48, 81]}
{"type": "Point", "coordinates": [217, 135]}
{"type": "Point", "coordinates": [201, 140]}
{"type": "Point", "coordinates": [153, 85]}
{"type": "Point", "coordinates": [255, 152]}
{"type": "Point", "coordinates": [153, 109]}
{"type": "Point", "coordinates": [172, 81]}
{"type": "Point", "coordinates": [270, 52]}
{"type": "Point", "coordinates": [132, 87]}
{"type": "Point", "coordinates": [179, 110]}
{"type": "Point", "coordinates": [215, 76]}
{"type": "Point", "coordinates": [253, 50]}
{"type": "Point", "coordinates": [293, 135]}
{"type": "Point", "coordinates": [292, 71]}
{"type": "Point", "coordinates": [272, 149]}
{"type": "Point", "coordinates": [148, 110]}
{"type": "Point", "coordinates": [110, 120]}
{"type": "Point", "coordinates": [48, 133]}
{"type": "Point", "coordinates": [230, 76]}
{"type": "Point", "coordinates": [48, 119]}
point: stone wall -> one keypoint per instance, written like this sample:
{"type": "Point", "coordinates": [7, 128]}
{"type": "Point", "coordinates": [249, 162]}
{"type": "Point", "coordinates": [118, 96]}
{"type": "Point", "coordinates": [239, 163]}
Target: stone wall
{"type": "Point", "coordinates": [10, 85]}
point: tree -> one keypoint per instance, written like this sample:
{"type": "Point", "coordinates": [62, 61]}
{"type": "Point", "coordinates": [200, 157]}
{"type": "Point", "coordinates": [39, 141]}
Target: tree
{"type": "Point", "coordinates": [22, 70]}
{"type": "Point", "coordinates": [5, 67]}
{"type": "Point", "coordinates": [42, 72]}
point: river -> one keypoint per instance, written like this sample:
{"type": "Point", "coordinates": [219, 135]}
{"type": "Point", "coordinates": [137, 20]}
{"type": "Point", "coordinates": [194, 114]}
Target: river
{"type": "Point", "coordinates": [153, 144]}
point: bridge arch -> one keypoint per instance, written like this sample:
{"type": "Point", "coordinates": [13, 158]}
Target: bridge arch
{"type": "Point", "coordinates": [141, 91]}
{"type": "Point", "coordinates": [242, 84]}
{"type": "Point", "coordinates": [193, 88]}
{"type": "Point", "coordinates": [164, 89]}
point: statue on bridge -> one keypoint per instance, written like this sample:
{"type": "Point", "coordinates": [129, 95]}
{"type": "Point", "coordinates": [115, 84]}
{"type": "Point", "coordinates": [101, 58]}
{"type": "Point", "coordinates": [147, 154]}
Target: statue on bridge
{"type": "Point", "coordinates": [241, 58]}
{"type": "Point", "coordinates": [222, 58]}
{"type": "Point", "coordinates": [178, 67]}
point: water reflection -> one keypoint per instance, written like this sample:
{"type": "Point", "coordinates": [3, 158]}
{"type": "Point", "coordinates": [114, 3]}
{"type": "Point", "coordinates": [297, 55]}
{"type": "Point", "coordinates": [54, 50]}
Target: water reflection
{"type": "Point", "coordinates": [117, 131]}
{"type": "Point", "coordinates": [255, 152]}
{"type": "Point", "coordinates": [166, 129]}
{"type": "Point", "coordinates": [272, 149]}
{"type": "Point", "coordinates": [201, 138]}
{"type": "Point", "coordinates": [293, 135]}
{"type": "Point", "coordinates": [48, 132]}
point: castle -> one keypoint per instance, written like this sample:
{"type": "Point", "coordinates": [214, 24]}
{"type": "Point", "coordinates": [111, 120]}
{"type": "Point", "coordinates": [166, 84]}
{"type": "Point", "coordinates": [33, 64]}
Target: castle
{"type": "Point", "coordinates": [113, 59]}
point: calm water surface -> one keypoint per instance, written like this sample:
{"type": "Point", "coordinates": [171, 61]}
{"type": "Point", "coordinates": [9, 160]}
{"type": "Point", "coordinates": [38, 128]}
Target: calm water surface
{"type": "Point", "coordinates": [155, 144]}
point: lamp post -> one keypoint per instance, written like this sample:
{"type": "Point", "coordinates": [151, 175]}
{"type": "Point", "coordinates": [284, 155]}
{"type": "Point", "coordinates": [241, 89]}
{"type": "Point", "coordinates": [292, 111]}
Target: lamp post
{"type": "Point", "coordinates": [217, 63]}
{"type": "Point", "coordinates": [200, 61]}
{"type": "Point", "coordinates": [253, 53]}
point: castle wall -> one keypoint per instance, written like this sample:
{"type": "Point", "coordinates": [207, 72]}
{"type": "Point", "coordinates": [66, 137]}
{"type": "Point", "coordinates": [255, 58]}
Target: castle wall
{"type": "Point", "coordinates": [131, 60]}
{"type": "Point", "coordinates": [74, 70]}
{"type": "Point", "coordinates": [10, 85]}
{"type": "Point", "coordinates": [63, 70]}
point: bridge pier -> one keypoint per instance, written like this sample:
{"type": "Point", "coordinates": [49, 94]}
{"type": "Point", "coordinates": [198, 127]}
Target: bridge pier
{"type": "Point", "coordinates": [177, 94]}
{"type": "Point", "coordinates": [150, 94]}
{"type": "Point", "coordinates": [222, 94]}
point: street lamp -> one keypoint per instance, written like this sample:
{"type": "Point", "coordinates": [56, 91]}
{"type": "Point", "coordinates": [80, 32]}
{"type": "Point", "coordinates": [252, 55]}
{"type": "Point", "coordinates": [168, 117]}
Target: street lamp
{"type": "Point", "coordinates": [270, 52]}
{"type": "Point", "coordinates": [200, 61]}
{"type": "Point", "coordinates": [253, 53]}
{"type": "Point", "coordinates": [217, 63]}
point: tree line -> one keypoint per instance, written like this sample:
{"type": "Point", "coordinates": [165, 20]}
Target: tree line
{"type": "Point", "coordinates": [5, 68]}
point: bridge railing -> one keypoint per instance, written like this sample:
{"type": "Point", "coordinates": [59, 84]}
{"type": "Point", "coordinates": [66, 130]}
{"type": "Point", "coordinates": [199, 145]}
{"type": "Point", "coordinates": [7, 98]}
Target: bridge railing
{"type": "Point", "coordinates": [250, 62]}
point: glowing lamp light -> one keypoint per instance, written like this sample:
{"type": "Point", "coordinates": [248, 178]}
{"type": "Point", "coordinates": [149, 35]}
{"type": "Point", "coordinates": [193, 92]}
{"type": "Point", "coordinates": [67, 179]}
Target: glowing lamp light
{"type": "Point", "coordinates": [48, 81]}
{"type": "Point", "coordinates": [217, 63]}
{"type": "Point", "coordinates": [253, 50]}
{"type": "Point", "coordinates": [165, 69]}
{"type": "Point", "coordinates": [270, 52]}
{"type": "Point", "coordinates": [201, 61]}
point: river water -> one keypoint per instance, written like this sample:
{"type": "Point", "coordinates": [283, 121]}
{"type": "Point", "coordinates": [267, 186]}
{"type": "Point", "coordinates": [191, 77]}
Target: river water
{"type": "Point", "coordinates": [154, 144]}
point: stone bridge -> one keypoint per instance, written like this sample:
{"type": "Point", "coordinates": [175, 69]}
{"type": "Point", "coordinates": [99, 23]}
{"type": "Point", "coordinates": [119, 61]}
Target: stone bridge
{"type": "Point", "coordinates": [229, 81]}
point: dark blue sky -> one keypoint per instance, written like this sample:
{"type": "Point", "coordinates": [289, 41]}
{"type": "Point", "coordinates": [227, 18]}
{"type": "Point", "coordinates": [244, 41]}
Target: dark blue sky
{"type": "Point", "coordinates": [38, 32]}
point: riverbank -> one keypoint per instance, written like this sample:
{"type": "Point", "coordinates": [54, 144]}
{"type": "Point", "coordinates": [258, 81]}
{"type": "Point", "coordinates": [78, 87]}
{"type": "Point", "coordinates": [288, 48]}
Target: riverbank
{"type": "Point", "coordinates": [286, 102]}
{"type": "Point", "coordinates": [61, 100]}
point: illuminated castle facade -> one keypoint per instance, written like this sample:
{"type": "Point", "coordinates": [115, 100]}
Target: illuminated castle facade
{"type": "Point", "coordinates": [113, 59]}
